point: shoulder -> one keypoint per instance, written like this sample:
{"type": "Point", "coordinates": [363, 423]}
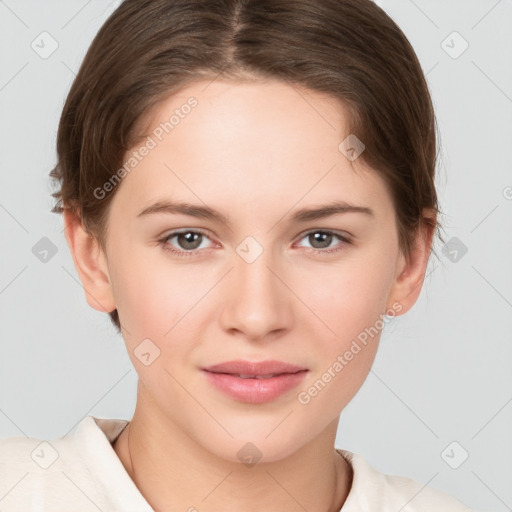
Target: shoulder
{"type": "Point", "coordinates": [380, 492]}
{"type": "Point", "coordinates": [32, 453]}
{"type": "Point", "coordinates": [15, 454]}
{"type": "Point", "coordinates": [30, 466]}
{"type": "Point", "coordinates": [57, 473]}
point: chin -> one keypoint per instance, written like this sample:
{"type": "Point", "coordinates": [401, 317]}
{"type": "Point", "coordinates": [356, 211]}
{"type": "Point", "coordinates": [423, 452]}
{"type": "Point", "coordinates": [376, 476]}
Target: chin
{"type": "Point", "coordinates": [256, 448]}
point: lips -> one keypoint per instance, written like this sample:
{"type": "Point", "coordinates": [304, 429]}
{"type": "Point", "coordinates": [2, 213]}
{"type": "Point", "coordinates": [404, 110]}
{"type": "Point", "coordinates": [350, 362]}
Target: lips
{"type": "Point", "coordinates": [248, 369]}
{"type": "Point", "coordinates": [267, 376]}
{"type": "Point", "coordinates": [254, 382]}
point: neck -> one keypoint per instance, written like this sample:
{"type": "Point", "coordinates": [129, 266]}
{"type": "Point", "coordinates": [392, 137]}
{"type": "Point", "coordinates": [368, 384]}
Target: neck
{"type": "Point", "coordinates": [169, 471]}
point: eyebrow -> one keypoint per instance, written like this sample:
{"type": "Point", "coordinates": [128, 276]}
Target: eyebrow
{"type": "Point", "coordinates": [205, 212]}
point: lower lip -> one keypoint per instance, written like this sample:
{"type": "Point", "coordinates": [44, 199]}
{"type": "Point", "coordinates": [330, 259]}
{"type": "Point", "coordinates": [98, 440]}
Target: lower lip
{"type": "Point", "coordinates": [255, 391]}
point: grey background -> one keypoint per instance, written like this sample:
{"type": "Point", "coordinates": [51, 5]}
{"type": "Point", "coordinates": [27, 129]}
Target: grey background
{"type": "Point", "coordinates": [442, 372]}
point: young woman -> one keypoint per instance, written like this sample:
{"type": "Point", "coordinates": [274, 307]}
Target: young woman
{"type": "Point", "coordinates": [248, 191]}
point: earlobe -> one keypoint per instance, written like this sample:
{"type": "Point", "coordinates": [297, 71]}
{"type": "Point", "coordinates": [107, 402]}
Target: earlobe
{"type": "Point", "coordinates": [411, 271]}
{"type": "Point", "coordinates": [90, 263]}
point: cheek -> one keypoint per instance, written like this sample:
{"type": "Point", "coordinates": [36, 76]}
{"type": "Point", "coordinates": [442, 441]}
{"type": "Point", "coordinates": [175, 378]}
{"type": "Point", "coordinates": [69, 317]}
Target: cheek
{"type": "Point", "coordinates": [155, 302]}
{"type": "Point", "coordinates": [345, 299]}
{"type": "Point", "coordinates": [348, 307]}
{"type": "Point", "coordinates": [160, 299]}
{"type": "Point", "coordinates": [148, 295]}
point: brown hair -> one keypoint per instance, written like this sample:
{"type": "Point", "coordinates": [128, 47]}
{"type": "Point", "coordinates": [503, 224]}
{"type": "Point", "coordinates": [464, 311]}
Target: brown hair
{"type": "Point", "coordinates": [149, 49]}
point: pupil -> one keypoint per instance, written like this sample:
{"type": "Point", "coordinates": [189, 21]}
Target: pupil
{"type": "Point", "coordinates": [319, 236]}
{"type": "Point", "coordinates": [189, 242]}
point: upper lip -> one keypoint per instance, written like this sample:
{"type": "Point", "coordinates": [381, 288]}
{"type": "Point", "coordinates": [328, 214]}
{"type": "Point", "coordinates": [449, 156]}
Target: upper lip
{"type": "Point", "coordinates": [240, 367]}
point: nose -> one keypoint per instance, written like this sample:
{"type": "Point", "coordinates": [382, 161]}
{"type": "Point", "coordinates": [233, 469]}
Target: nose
{"type": "Point", "coordinates": [258, 303]}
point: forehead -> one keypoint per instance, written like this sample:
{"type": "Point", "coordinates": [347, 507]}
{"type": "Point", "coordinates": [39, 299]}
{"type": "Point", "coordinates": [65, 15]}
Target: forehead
{"type": "Point", "coordinates": [249, 144]}
{"type": "Point", "coordinates": [250, 101]}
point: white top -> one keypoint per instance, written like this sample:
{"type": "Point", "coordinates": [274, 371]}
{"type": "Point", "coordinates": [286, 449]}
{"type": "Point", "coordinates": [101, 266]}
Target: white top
{"type": "Point", "coordinates": [81, 472]}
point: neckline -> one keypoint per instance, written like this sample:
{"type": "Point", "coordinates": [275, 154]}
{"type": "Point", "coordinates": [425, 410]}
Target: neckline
{"type": "Point", "coordinates": [95, 436]}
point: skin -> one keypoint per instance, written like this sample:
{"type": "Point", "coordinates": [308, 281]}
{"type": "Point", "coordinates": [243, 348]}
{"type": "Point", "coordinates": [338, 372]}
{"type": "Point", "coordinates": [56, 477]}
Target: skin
{"type": "Point", "coordinates": [257, 152]}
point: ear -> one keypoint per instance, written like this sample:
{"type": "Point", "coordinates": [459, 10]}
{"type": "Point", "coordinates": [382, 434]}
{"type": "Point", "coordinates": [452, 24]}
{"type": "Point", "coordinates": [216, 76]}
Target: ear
{"type": "Point", "coordinates": [90, 262]}
{"type": "Point", "coordinates": [411, 271]}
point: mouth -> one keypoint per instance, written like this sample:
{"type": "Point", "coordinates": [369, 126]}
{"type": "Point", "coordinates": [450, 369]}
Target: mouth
{"type": "Point", "coordinates": [254, 382]}
{"type": "Point", "coordinates": [268, 376]}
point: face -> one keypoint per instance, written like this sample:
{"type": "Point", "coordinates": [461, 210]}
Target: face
{"type": "Point", "coordinates": [261, 279]}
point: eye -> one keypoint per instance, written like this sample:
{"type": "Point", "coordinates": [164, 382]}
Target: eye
{"type": "Point", "coordinates": [321, 240]}
{"type": "Point", "coordinates": [188, 241]}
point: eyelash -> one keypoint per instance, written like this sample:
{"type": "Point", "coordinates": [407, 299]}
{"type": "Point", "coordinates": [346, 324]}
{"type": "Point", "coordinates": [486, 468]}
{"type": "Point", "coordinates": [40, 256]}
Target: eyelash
{"type": "Point", "coordinates": [186, 254]}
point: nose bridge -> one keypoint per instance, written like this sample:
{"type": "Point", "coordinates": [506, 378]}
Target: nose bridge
{"type": "Point", "coordinates": [258, 301]}
{"type": "Point", "coordinates": [253, 273]}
